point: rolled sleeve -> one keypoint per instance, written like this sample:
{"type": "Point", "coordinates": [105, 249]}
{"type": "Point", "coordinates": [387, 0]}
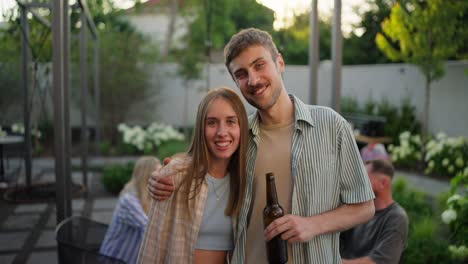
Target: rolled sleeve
{"type": "Point", "coordinates": [354, 182]}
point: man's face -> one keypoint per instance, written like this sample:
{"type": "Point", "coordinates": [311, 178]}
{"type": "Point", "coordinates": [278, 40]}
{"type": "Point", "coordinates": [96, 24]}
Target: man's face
{"type": "Point", "coordinates": [373, 178]}
{"type": "Point", "coordinates": [380, 182]}
{"type": "Point", "coordinates": [258, 76]}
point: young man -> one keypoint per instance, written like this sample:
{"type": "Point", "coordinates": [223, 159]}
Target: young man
{"type": "Point", "coordinates": [320, 178]}
{"type": "Point", "coordinates": [384, 238]}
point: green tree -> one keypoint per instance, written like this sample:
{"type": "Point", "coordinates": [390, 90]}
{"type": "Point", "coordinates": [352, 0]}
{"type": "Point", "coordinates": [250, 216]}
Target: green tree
{"type": "Point", "coordinates": [9, 73]}
{"type": "Point", "coordinates": [213, 24]}
{"type": "Point", "coordinates": [362, 49]}
{"type": "Point", "coordinates": [424, 33]}
{"type": "Point", "coordinates": [125, 60]}
{"type": "Point", "coordinates": [293, 41]}
{"type": "Point", "coordinates": [39, 44]}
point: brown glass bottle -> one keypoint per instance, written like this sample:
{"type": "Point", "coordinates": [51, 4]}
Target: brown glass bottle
{"type": "Point", "coordinates": [277, 250]}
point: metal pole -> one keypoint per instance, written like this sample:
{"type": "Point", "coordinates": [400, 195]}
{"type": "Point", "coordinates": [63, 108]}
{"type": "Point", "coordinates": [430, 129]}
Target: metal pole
{"type": "Point", "coordinates": [336, 56]}
{"type": "Point", "coordinates": [90, 22]}
{"type": "Point", "coordinates": [84, 87]}
{"type": "Point", "coordinates": [97, 96]}
{"type": "Point", "coordinates": [314, 48]}
{"type": "Point", "coordinates": [25, 51]}
{"type": "Point", "coordinates": [208, 42]}
{"type": "Point", "coordinates": [66, 97]}
{"type": "Point", "coordinates": [34, 4]}
{"type": "Point", "coordinates": [60, 83]}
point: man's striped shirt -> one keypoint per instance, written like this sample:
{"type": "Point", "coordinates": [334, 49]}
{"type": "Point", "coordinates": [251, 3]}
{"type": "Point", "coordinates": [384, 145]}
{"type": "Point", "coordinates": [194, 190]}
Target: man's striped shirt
{"type": "Point", "coordinates": [327, 172]}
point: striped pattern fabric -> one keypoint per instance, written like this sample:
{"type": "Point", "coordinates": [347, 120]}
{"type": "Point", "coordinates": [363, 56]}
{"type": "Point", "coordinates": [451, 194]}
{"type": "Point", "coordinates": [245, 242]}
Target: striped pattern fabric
{"type": "Point", "coordinates": [327, 172]}
{"type": "Point", "coordinates": [125, 233]}
{"type": "Point", "coordinates": [172, 232]}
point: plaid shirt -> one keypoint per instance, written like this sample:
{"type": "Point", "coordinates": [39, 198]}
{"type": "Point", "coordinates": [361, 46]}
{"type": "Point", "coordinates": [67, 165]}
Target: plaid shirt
{"type": "Point", "coordinates": [327, 171]}
{"type": "Point", "coordinates": [172, 231]}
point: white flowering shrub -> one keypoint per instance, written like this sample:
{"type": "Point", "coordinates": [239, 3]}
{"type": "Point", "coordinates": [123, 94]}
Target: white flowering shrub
{"type": "Point", "coordinates": [149, 139]}
{"type": "Point", "coordinates": [19, 129]}
{"type": "Point", "coordinates": [408, 153]}
{"type": "Point", "coordinates": [3, 133]}
{"type": "Point", "coordinates": [446, 155]}
{"type": "Point", "coordinates": [456, 216]}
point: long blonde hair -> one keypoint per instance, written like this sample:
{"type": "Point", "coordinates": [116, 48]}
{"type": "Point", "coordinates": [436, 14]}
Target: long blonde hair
{"type": "Point", "coordinates": [199, 153]}
{"type": "Point", "coordinates": [138, 184]}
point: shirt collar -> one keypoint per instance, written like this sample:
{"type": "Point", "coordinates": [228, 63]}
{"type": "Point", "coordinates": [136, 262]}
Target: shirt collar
{"type": "Point", "coordinates": [301, 114]}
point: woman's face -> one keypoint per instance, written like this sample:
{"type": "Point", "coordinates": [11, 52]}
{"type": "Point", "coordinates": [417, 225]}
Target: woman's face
{"type": "Point", "coordinates": [222, 131]}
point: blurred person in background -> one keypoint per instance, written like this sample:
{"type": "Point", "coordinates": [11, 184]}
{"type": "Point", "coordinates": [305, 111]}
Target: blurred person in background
{"type": "Point", "coordinates": [384, 238]}
{"type": "Point", "coordinates": [125, 232]}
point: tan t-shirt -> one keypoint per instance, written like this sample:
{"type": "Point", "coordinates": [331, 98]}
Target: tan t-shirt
{"type": "Point", "coordinates": [274, 155]}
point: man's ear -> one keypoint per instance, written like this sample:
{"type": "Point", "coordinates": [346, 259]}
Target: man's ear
{"type": "Point", "coordinates": [386, 181]}
{"type": "Point", "coordinates": [280, 62]}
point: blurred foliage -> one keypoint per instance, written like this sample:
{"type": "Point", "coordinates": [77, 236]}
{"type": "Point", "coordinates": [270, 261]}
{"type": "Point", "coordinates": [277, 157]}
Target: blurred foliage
{"type": "Point", "coordinates": [114, 177]}
{"type": "Point", "coordinates": [169, 148]}
{"type": "Point", "coordinates": [125, 56]}
{"type": "Point", "coordinates": [293, 41]}
{"type": "Point", "coordinates": [458, 202]}
{"type": "Point", "coordinates": [398, 118]}
{"type": "Point", "coordinates": [213, 22]}
{"type": "Point", "coordinates": [427, 240]}
{"type": "Point", "coordinates": [416, 203]}
{"type": "Point", "coordinates": [350, 105]}
{"type": "Point", "coordinates": [446, 156]}
{"type": "Point", "coordinates": [362, 49]}
{"type": "Point", "coordinates": [126, 62]}
{"type": "Point", "coordinates": [10, 58]}
{"type": "Point", "coordinates": [407, 153]}
{"type": "Point", "coordinates": [424, 33]}
{"type": "Point", "coordinates": [359, 47]}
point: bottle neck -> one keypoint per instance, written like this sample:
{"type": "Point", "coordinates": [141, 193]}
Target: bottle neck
{"type": "Point", "coordinates": [272, 197]}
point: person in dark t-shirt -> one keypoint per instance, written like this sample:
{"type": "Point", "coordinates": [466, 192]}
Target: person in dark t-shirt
{"type": "Point", "coordinates": [383, 239]}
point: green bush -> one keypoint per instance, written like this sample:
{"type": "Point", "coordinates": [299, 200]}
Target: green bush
{"type": "Point", "coordinates": [392, 117]}
{"type": "Point", "coordinates": [408, 154]}
{"type": "Point", "coordinates": [427, 242]}
{"type": "Point", "coordinates": [114, 177]}
{"type": "Point", "coordinates": [369, 107]}
{"type": "Point", "coordinates": [349, 105]}
{"type": "Point", "coordinates": [148, 139]}
{"type": "Point", "coordinates": [105, 147]}
{"type": "Point", "coordinates": [398, 118]}
{"type": "Point", "coordinates": [456, 216]}
{"type": "Point", "coordinates": [446, 156]}
{"type": "Point", "coordinates": [127, 149]}
{"type": "Point", "coordinates": [171, 147]}
{"type": "Point", "coordinates": [407, 120]}
{"type": "Point", "coordinates": [416, 203]}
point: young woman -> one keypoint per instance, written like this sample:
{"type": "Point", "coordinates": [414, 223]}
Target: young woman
{"type": "Point", "coordinates": [196, 224]}
{"type": "Point", "coordinates": [125, 232]}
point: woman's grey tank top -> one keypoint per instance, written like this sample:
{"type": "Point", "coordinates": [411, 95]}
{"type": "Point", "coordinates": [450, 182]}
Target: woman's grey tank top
{"type": "Point", "coordinates": [216, 228]}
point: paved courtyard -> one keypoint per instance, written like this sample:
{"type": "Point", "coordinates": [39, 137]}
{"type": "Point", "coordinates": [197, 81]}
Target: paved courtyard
{"type": "Point", "coordinates": [27, 230]}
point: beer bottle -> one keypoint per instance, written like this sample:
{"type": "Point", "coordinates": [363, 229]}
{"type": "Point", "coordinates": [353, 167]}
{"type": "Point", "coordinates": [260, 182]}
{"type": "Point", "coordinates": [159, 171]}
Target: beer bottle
{"type": "Point", "coordinates": [277, 250]}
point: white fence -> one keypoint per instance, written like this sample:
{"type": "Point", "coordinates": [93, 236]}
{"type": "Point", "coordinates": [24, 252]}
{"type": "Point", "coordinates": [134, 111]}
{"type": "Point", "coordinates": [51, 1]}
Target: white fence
{"type": "Point", "coordinates": [171, 102]}
{"type": "Point", "coordinates": [448, 107]}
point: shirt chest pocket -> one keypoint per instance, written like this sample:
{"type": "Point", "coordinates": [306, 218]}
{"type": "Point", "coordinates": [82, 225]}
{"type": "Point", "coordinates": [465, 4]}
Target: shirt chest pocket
{"type": "Point", "coordinates": [316, 182]}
